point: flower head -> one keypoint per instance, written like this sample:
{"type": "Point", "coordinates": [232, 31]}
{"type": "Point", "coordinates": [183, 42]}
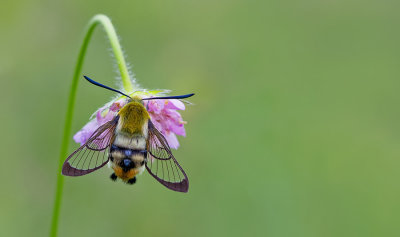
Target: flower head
{"type": "Point", "coordinates": [163, 113]}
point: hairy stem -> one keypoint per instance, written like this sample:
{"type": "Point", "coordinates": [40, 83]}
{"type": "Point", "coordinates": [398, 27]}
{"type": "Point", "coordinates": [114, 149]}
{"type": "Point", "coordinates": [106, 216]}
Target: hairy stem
{"type": "Point", "coordinates": [127, 84]}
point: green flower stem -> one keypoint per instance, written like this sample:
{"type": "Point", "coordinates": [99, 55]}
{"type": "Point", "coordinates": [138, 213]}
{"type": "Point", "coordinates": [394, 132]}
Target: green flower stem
{"type": "Point", "coordinates": [127, 84]}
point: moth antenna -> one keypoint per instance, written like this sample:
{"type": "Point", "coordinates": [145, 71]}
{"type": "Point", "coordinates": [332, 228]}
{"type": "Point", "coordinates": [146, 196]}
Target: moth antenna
{"type": "Point", "coordinates": [106, 87]}
{"type": "Point", "coordinates": [170, 97]}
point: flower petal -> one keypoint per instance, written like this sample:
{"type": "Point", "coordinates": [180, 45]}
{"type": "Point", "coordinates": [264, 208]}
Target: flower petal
{"type": "Point", "coordinates": [155, 106]}
{"type": "Point", "coordinates": [172, 140]}
{"type": "Point", "coordinates": [174, 104]}
{"type": "Point", "coordinates": [84, 134]}
{"type": "Point", "coordinates": [178, 130]}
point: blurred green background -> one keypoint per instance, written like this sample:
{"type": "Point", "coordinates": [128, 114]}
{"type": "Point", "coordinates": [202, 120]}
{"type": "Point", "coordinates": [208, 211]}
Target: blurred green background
{"type": "Point", "coordinates": [295, 129]}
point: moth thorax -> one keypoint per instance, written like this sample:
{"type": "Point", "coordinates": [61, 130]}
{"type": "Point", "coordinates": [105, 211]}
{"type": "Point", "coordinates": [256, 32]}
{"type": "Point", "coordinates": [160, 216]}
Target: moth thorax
{"type": "Point", "coordinates": [132, 118]}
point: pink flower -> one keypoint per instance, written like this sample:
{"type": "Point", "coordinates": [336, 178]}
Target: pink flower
{"type": "Point", "coordinates": [163, 113]}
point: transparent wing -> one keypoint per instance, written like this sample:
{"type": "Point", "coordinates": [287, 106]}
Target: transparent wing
{"type": "Point", "coordinates": [162, 165]}
{"type": "Point", "coordinates": [93, 154]}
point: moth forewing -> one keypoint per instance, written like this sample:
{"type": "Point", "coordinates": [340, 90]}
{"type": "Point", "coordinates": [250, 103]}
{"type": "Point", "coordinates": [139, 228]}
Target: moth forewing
{"type": "Point", "coordinates": [93, 154]}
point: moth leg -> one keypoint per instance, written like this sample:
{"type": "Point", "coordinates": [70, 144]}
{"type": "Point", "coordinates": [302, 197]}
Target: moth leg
{"type": "Point", "coordinates": [132, 181]}
{"type": "Point", "coordinates": [113, 177]}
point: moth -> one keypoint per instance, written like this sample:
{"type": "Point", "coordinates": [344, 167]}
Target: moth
{"type": "Point", "coordinates": [130, 143]}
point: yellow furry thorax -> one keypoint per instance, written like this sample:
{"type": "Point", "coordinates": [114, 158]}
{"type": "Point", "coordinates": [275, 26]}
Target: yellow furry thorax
{"type": "Point", "coordinates": [133, 116]}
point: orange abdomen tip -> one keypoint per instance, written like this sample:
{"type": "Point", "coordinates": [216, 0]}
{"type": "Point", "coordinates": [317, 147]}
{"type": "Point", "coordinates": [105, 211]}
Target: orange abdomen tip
{"type": "Point", "coordinates": [124, 175]}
